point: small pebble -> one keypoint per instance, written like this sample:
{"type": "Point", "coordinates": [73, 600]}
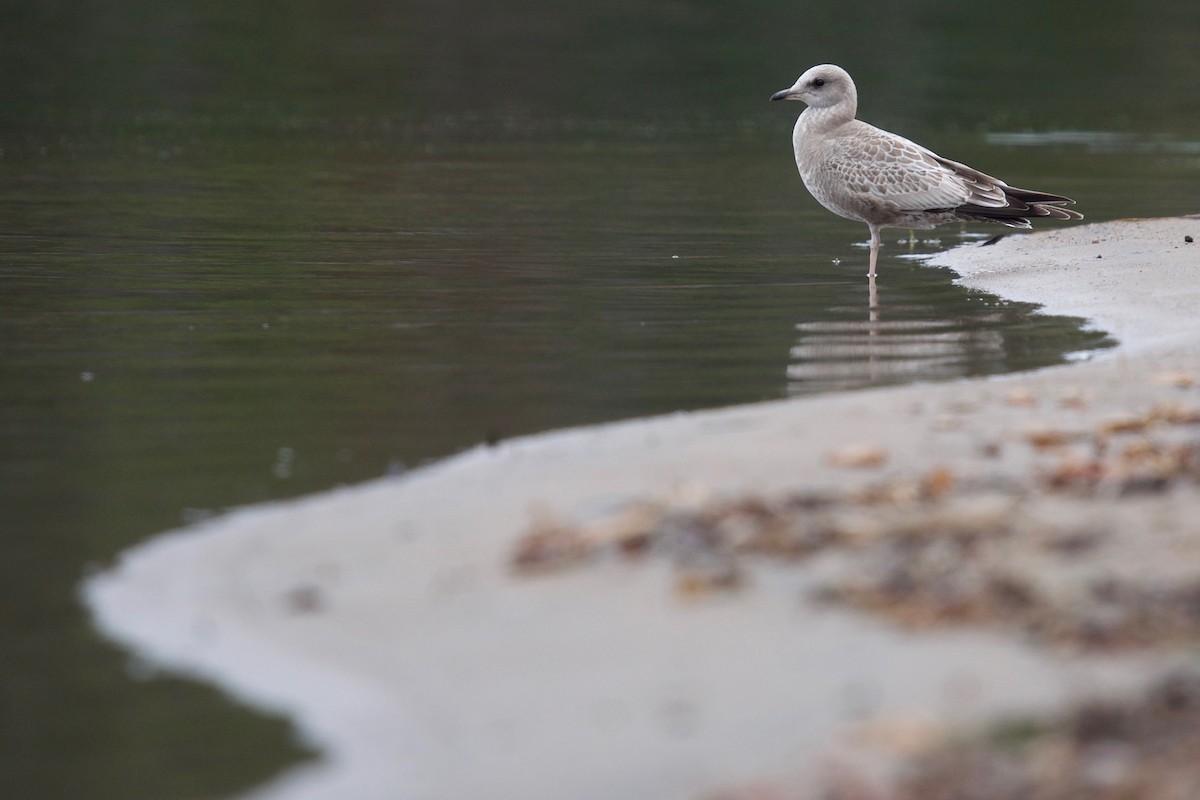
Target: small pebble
{"type": "Point", "coordinates": [306, 599]}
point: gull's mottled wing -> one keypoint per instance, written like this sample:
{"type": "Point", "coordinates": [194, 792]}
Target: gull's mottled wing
{"type": "Point", "coordinates": [874, 164]}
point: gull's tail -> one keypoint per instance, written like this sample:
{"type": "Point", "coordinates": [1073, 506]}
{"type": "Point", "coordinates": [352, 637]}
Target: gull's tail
{"type": "Point", "coordinates": [993, 200]}
{"type": "Point", "coordinates": [1021, 204]}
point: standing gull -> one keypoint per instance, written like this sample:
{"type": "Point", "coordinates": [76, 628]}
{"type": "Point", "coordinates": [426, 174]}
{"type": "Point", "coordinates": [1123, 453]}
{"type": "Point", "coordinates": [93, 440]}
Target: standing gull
{"type": "Point", "coordinates": [863, 173]}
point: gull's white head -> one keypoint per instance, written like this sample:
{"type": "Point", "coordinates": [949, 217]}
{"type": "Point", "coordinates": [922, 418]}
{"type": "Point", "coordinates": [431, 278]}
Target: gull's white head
{"type": "Point", "coordinates": [823, 86]}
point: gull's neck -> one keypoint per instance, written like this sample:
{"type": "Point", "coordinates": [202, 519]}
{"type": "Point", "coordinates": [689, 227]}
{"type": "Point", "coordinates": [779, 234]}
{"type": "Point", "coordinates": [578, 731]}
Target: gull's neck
{"type": "Point", "coordinates": [814, 130]}
{"type": "Point", "coordinates": [821, 120]}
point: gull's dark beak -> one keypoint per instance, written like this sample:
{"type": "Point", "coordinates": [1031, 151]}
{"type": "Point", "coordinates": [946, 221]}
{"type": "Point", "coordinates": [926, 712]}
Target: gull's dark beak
{"type": "Point", "coordinates": [784, 94]}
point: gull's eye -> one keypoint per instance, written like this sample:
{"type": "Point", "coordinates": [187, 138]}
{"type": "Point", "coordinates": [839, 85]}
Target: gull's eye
{"type": "Point", "coordinates": [818, 82]}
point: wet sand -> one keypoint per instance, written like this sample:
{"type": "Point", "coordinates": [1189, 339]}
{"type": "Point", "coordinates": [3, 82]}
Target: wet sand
{"type": "Point", "coordinates": [417, 634]}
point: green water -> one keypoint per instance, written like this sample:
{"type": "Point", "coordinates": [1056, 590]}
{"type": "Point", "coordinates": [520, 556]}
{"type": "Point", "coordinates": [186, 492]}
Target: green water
{"type": "Point", "coordinates": [252, 250]}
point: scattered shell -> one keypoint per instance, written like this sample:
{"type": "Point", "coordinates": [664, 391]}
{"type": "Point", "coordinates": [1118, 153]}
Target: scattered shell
{"type": "Point", "coordinates": [985, 514]}
{"type": "Point", "coordinates": [1126, 423]}
{"type": "Point", "coordinates": [550, 546]}
{"type": "Point", "coordinates": [901, 736]}
{"type": "Point", "coordinates": [696, 582]}
{"type": "Point", "coordinates": [1075, 402]}
{"type": "Point", "coordinates": [940, 547]}
{"type": "Point", "coordinates": [1020, 396]}
{"type": "Point", "coordinates": [1048, 437]}
{"type": "Point", "coordinates": [892, 493]}
{"type": "Point", "coordinates": [937, 484]}
{"type": "Point", "coordinates": [1175, 414]}
{"type": "Point", "coordinates": [946, 422]}
{"type": "Point", "coordinates": [1105, 749]}
{"type": "Point", "coordinates": [1074, 473]}
{"type": "Point", "coordinates": [858, 456]}
{"type": "Point", "coordinates": [1177, 378]}
{"type": "Point", "coordinates": [1073, 543]}
{"type": "Point", "coordinates": [855, 528]}
{"type": "Point", "coordinates": [629, 530]}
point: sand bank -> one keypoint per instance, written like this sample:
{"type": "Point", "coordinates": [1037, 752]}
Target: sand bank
{"type": "Point", "coordinates": [388, 620]}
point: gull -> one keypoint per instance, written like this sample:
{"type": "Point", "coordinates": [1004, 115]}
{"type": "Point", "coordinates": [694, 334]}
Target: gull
{"type": "Point", "coordinates": [870, 175]}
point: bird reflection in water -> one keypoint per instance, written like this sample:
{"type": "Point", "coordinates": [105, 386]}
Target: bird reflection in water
{"type": "Point", "coordinates": [891, 345]}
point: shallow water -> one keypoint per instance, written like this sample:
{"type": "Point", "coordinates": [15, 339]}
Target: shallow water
{"type": "Point", "coordinates": [249, 254]}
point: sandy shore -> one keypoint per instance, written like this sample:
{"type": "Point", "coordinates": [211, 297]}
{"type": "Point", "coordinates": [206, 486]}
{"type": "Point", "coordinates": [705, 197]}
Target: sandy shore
{"type": "Point", "coordinates": [389, 620]}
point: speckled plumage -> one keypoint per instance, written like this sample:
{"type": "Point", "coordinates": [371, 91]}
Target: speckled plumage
{"type": "Point", "coordinates": [863, 173]}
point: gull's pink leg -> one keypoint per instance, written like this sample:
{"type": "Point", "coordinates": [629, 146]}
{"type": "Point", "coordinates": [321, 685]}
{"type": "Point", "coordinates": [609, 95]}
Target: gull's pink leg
{"type": "Point", "coordinates": [874, 249]}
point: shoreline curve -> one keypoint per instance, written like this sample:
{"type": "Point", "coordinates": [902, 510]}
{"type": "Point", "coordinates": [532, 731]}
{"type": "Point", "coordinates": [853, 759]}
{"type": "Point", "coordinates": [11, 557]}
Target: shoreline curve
{"type": "Point", "coordinates": [386, 621]}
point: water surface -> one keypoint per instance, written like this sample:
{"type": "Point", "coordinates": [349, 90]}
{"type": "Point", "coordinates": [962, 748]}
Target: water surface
{"type": "Point", "coordinates": [250, 252]}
